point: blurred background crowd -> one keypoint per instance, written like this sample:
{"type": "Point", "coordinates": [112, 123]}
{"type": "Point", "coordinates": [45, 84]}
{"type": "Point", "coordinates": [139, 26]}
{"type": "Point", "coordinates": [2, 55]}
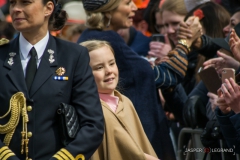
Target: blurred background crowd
{"type": "Point", "coordinates": [189, 104]}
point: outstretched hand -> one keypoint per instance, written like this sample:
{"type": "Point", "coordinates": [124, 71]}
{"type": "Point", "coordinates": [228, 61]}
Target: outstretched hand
{"type": "Point", "coordinates": [231, 94]}
{"type": "Point", "coordinates": [213, 100]}
{"type": "Point", "coordinates": [234, 43]}
{"type": "Point", "coordinates": [184, 31]}
{"type": "Point", "coordinates": [191, 30]}
{"type": "Point", "coordinates": [222, 61]}
{"type": "Point", "coordinates": [196, 28]}
{"type": "Point", "coordinates": [222, 105]}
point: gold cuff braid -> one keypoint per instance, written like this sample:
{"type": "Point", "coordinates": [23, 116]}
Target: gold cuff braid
{"type": "Point", "coordinates": [64, 154]}
{"type": "Point", "coordinates": [8, 155]}
{"type": "Point", "coordinates": [5, 153]}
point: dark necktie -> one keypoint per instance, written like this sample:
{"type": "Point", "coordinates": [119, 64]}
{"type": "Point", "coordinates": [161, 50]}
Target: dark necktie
{"type": "Point", "coordinates": [31, 68]}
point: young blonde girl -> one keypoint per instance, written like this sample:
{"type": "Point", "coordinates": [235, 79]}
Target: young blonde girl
{"type": "Point", "coordinates": [124, 137]}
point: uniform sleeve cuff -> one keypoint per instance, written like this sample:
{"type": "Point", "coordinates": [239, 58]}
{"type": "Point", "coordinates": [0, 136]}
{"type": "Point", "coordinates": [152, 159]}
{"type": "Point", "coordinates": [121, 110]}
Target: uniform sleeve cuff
{"type": "Point", "coordinates": [64, 154]}
{"type": "Point", "coordinates": [6, 153]}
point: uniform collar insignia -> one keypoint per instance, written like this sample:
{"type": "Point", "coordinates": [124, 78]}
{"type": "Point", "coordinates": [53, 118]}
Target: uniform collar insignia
{"type": "Point", "coordinates": [60, 71]}
{"type": "Point", "coordinates": [10, 60]}
{"type": "Point", "coordinates": [3, 41]}
{"type": "Point", "coordinates": [51, 56]}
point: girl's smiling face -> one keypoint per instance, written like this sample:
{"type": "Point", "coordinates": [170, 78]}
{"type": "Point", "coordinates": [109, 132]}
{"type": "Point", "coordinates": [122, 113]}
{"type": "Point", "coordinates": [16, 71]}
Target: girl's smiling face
{"type": "Point", "coordinates": [105, 71]}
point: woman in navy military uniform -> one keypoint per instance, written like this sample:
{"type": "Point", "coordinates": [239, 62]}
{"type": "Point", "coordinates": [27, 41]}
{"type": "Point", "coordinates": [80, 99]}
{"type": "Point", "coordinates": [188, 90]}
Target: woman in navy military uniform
{"type": "Point", "coordinates": [37, 73]}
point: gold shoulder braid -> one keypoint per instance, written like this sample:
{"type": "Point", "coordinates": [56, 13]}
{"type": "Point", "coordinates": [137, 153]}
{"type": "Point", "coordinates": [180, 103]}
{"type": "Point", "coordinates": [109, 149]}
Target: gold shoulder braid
{"type": "Point", "coordinates": [3, 41]}
{"type": "Point", "coordinates": [17, 107]}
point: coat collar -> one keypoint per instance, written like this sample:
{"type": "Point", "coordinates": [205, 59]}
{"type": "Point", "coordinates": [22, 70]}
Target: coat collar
{"type": "Point", "coordinates": [119, 107]}
{"type": "Point", "coordinates": [25, 46]}
{"type": "Point", "coordinates": [46, 67]}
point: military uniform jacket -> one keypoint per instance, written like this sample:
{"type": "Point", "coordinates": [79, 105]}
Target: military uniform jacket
{"type": "Point", "coordinates": [44, 98]}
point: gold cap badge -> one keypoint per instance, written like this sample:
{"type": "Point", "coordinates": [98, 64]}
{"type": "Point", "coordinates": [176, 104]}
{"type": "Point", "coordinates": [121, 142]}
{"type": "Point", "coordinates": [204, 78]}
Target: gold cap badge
{"type": "Point", "coordinates": [60, 71]}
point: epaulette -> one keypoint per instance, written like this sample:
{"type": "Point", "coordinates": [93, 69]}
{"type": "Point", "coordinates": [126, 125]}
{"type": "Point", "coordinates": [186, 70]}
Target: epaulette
{"type": "Point", "coordinates": [3, 41]}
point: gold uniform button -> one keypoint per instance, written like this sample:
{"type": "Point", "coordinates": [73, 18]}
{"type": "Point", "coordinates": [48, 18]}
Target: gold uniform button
{"type": "Point", "coordinates": [29, 108]}
{"type": "Point", "coordinates": [29, 134]}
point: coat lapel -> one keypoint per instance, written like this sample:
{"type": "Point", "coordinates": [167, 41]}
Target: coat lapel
{"type": "Point", "coordinates": [15, 69]}
{"type": "Point", "coordinates": [120, 106]}
{"type": "Point", "coordinates": [46, 69]}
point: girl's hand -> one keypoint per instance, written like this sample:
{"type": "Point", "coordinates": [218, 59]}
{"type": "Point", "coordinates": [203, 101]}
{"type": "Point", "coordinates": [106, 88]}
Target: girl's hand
{"type": "Point", "coordinates": [149, 157]}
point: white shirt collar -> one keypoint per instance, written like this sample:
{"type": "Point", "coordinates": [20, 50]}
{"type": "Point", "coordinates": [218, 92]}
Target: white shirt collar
{"type": "Point", "coordinates": [25, 46]}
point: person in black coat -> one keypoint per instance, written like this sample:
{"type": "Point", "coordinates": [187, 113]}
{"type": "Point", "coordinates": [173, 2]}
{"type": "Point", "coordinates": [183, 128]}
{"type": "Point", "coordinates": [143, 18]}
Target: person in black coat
{"type": "Point", "coordinates": [61, 74]}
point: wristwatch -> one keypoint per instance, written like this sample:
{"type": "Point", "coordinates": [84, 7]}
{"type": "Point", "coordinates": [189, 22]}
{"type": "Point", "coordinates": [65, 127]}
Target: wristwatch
{"type": "Point", "coordinates": [184, 42]}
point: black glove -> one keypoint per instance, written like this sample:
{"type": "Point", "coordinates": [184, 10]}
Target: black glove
{"type": "Point", "coordinates": [211, 134]}
{"type": "Point", "coordinates": [194, 113]}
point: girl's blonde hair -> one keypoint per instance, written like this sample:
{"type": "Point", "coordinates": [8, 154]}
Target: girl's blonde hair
{"type": "Point", "coordinates": [92, 45]}
{"type": "Point", "coordinates": [97, 19]}
{"type": "Point", "coordinates": [96, 44]}
{"type": "Point", "coordinates": [175, 6]}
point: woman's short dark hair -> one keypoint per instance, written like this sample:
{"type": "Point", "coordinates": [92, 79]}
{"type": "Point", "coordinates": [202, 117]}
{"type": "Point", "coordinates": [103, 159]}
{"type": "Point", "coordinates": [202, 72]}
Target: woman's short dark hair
{"type": "Point", "coordinates": [58, 17]}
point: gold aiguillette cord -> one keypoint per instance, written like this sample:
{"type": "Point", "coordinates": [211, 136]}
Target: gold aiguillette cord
{"type": "Point", "coordinates": [17, 107]}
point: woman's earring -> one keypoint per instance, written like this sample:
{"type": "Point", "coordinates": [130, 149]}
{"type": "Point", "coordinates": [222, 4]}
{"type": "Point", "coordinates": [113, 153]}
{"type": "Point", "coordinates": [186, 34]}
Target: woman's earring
{"type": "Point", "coordinates": [109, 21]}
